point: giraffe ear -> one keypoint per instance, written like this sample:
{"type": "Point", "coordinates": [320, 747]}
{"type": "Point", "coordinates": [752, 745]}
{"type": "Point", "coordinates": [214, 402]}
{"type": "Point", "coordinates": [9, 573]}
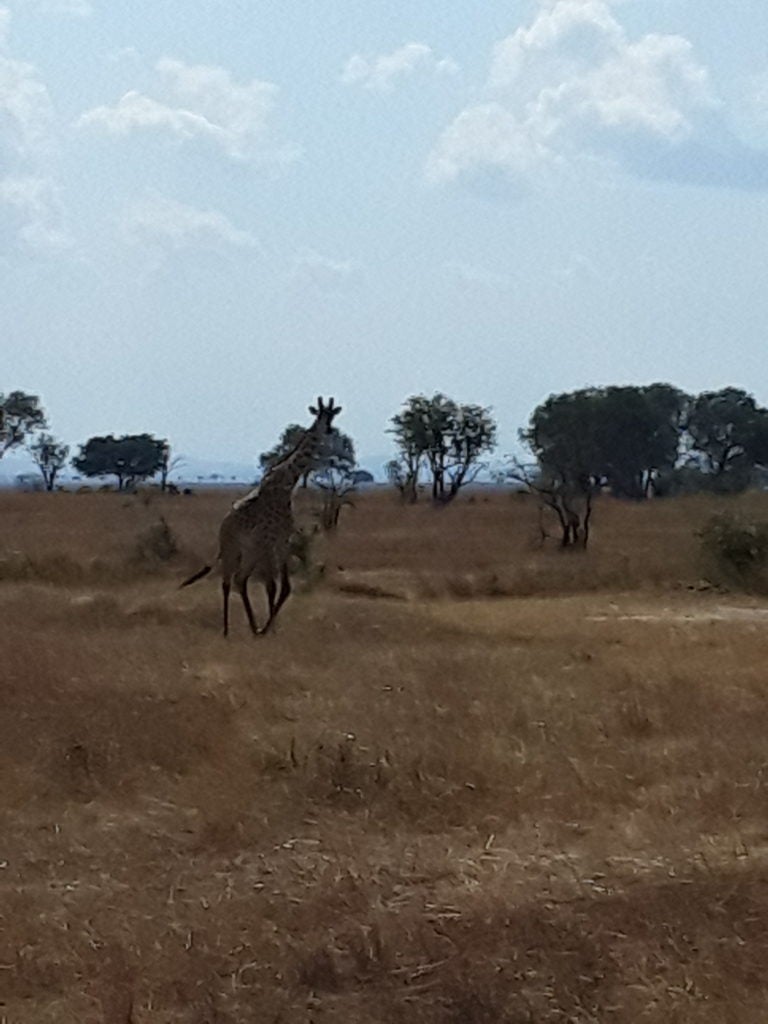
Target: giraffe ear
{"type": "Point", "coordinates": [313, 410]}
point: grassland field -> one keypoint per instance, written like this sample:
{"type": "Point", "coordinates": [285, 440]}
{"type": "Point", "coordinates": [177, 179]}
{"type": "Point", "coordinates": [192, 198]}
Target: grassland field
{"type": "Point", "coordinates": [470, 779]}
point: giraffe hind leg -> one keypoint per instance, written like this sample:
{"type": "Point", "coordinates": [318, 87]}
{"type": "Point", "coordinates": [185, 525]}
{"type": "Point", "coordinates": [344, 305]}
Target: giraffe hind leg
{"type": "Point", "coordinates": [225, 588]}
{"type": "Point", "coordinates": [271, 588]}
{"type": "Point", "coordinates": [275, 606]}
{"type": "Point", "coordinates": [243, 588]}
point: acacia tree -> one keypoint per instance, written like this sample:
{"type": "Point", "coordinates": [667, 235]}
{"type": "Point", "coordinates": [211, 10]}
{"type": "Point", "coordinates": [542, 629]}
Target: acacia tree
{"type": "Point", "coordinates": [20, 414]}
{"type": "Point", "coordinates": [570, 498]}
{"type": "Point", "coordinates": [336, 452]}
{"type": "Point", "coordinates": [336, 485]}
{"type": "Point", "coordinates": [130, 458]}
{"type": "Point", "coordinates": [625, 436]}
{"type": "Point", "coordinates": [446, 437]}
{"type": "Point", "coordinates": [727, 438]}
{"type": "Point", "coordinates": [403, 473]}
{"type": "Point", "coordinates": [50, 457]}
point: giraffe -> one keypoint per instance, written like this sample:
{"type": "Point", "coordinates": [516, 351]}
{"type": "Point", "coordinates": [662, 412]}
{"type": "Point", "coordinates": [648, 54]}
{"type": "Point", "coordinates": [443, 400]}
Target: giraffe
{"type": "Point", "coordinates": [255, 535]}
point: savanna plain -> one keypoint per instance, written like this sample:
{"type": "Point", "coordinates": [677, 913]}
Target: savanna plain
{"type": "Point", "coordinates": [469, 779]}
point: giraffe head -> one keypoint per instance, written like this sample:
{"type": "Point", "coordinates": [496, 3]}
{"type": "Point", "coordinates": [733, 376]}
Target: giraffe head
{"type": "Point", "coordinates": [324, 415]}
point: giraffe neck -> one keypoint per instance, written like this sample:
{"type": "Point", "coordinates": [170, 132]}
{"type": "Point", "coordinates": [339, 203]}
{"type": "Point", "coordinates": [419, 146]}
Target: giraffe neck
{"type": "Point", "coordinates": [285, 474]}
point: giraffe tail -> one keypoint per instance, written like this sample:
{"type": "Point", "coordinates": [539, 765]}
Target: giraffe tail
{"type": "Point", "coordinates": [196, 576]}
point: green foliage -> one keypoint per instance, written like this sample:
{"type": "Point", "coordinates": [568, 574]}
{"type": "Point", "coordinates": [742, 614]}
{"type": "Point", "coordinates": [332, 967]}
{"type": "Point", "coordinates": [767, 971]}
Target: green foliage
{"type": "Point", "coordinates": [50, 457]}
{"type": "Point", "coordinates": [130, 458]}
{"type": "Point", "coordinates": [337, 451]}
{"type": "Point", "coordinates": [335, 485]}
{"type": "Point", "coordinates": [622, 435]}
{"type": "Point", "coordinates": [728, 436]}
{"type": "Point", "coordinates": [20, 414]}
{"type": "Point", "coordinates": [737, 548]}
{"type": "Point", "coordinates": [403, 474]}
{"type": "Point", "coordinates": [447, 437]}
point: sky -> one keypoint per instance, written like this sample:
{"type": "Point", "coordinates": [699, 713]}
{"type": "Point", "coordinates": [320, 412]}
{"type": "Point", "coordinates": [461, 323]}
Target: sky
{"type": "Point", "coordinates": [213, 211]}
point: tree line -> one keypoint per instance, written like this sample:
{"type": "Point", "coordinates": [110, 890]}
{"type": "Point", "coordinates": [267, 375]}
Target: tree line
{"type": "Point", "coordinates": [633, 440]}
{"type": "Point", "coordinates": [133, 458]}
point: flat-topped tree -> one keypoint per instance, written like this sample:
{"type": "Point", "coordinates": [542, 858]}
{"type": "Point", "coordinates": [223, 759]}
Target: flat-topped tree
{"type": "Point", "coordinates": [131, 458]}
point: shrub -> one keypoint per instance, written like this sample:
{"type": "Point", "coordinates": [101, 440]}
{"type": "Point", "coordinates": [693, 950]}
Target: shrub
{"type": "Point", "coordinates": [156, 544]}
{"type": "Point", "coordinates": [303, 560]}
{"type": "Point", "coordinates": [737, 548]}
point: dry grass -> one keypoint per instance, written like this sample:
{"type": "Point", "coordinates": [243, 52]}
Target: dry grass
{"type": "Point", "coordinates": [532, 789]}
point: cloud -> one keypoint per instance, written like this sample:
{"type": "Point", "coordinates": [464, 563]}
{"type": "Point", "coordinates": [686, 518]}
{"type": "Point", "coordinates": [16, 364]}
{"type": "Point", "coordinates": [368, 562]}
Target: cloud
{"type": "Point", "coordinates": [26, 111]}
{"type": "Point", "coordinates": [323, 273]}
{"type": "Point", "coordinates": [76, 8]}
{"type": "Point", "coordinates": [198, 102]}
{"type": "Point", "coordinates": [29, 197]}
{"type": "Point", "coordinates": [471, 277]}
{"type": "Point", "coordinates": [573, 84]}
{"type": "Point", "coordinates": [381, 73]}
{"type": "Point", "coordinates": [38, 208]}
{"type": "Point", "coordinates": [159, 221]}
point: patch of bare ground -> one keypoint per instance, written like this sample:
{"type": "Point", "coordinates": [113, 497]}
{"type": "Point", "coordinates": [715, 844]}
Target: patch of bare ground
{"type": "Point", "coordinates": [469, 807]}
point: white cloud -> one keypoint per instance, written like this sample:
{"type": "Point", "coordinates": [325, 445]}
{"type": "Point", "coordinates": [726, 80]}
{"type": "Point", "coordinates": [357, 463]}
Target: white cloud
{"type": "Point", "coordinates": [76, 8]}
{"type": "Point", "coordinates": [26, 112]}
{"type": "Point", "coordinates": [28, 195]}
{"type": "Point", "coordinates": [321, 272]}
{"type": "Point", "coordinates": [164, 222]}
{"type": "Point", "coordinates": [382, 72]}
{"type": "Point", "coordinates": [574, 83]}
{"type": "Point", "coordinates": [471, 277]}
{"type": "Point", "coordinates": [38, 207]}
{"type": "Point", "coordinates": [198, 101]}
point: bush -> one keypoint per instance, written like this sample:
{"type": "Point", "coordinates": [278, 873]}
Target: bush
{"type": "Point", "coordinates": [156, 544]}
{"type": "Point", "coordinates": [303, 561]}
{"type": "Point", "coordinates": [737, 548]}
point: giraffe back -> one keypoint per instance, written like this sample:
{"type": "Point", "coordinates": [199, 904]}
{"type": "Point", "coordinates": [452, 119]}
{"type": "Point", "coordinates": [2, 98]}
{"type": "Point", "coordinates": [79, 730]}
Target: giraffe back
{"type": "Point", "coordinates": [255, 535]}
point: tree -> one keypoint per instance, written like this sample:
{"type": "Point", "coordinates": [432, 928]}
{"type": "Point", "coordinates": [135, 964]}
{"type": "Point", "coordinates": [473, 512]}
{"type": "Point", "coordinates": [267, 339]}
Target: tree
{"type": "Point", "coordinates": [338, 451]}
{"type": "Point", "coordinates": [727, 437]}
{"type": "Point", "coordinates": [168, 464]}
{"type": "Point", "coordinates": [336, 485]}
{"type": "Point", "coordinates": [130, 458]}
{"type": "Point", "coordinates": [20, 414]}
{"type": "Point", "coordinates": [447, 437]}
{"type": "Point", "coordinates": [404, 477]}
{"type": "Point", "coordinates": [570, 498]}
{"type": "Point", "coordinates": [50, 457]}
{"type": "Point", "coordinates": [625, 436]}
